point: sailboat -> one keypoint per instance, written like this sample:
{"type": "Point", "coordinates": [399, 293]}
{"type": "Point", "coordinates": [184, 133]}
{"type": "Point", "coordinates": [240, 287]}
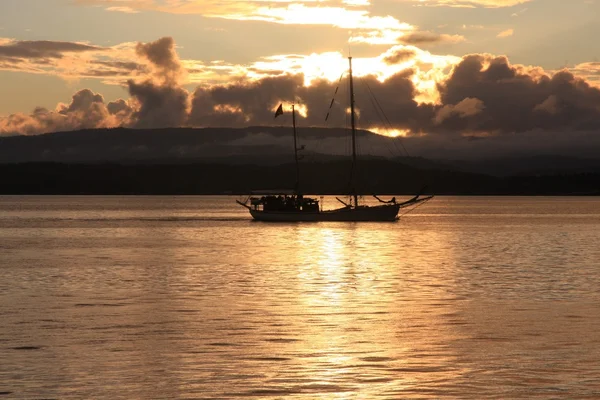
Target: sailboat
{"type": "Point", "coordinates": [293, 206]}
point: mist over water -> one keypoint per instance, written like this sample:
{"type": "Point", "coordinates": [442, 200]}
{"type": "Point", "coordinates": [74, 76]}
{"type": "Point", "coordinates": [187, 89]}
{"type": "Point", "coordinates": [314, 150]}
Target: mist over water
{"type": "Point", "coordinates": [186, 297]}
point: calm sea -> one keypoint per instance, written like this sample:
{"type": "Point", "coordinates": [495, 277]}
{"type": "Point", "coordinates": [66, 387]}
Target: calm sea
{"type": "Point", "coordinates": [186, 297]}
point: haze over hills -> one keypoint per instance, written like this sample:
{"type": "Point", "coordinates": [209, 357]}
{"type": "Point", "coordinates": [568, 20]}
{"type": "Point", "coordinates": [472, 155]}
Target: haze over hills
{"type": "Point", "coordinates": [259, 146]}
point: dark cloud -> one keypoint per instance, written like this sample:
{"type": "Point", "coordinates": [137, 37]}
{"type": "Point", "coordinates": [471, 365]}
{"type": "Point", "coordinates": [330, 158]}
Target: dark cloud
{"type": "Point", "coordinates": [9, 62]}
{"type": "Point", "coordinates": [157, 101]}
{"type": "Point", "coordinates": [163, 58]}
{"type": "Point", "coordinates": [507, 108]}
{"type": "Point", "coordinates": [114, 69]}
{"type": "Point", "coordinates": [162, 101]}
{"type": "Point", "coordinates": [243, 104]}
{"type": "Point", "coordinates": [513, 99]}
{"type": "Point", "coordinates": [119, 107]}
{"type": "Point", "coordinates": [466, 108]}
{"type": "Point", "coordinates": [42, 49]}
{"type": "Point", "coordinates": [127, 66]}
{"type": "Point", "coordinates": [83, 100]}
{"type": "Point", "coordinates": [159, 106]}
{"type": "Point", "coordinates": [399, 54]}
{"type": "Point", "coordinates": [94, 73]}
{"type": "Point", "coordinates": [424, 38]}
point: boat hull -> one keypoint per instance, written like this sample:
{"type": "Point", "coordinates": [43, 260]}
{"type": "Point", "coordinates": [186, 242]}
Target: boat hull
{"type": "Point", "coordinates": [383, 213]}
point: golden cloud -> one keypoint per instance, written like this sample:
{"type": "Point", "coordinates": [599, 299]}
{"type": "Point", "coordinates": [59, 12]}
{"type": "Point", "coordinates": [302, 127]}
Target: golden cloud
{"type": "Point", "coordinates": [71, 60]}
{"type": "Point", "coordinates": [390, 37]}
{"type": "Point", "coordinates": [478, 95]}
{"type": "Point", "coordinates": [123, 9]}
{"type": "Point", "coordinates": [506, 33]}
{"type": "Point", "coordinates": [124, 62]}
{"type": "Point", "coordinates": [590, 71]}
{"type": "Point", "coordinates": [471, 3]}
{"type": "Point", "coordinates": [343, 14]}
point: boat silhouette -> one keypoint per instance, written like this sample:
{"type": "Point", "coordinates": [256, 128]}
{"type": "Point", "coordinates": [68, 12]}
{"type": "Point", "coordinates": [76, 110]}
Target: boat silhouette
{"type": "Point", "coordinates": [293, 206]}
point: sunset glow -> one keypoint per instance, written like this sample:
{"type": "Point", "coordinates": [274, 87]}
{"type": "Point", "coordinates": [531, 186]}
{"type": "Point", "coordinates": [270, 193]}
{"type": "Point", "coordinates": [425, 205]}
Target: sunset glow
{"type": "Point", "coordinates": [299, 199]}
{"type": "Point", "coordinates": [389, 132]}
{"type": "Point", "coordinates": [214, 62]}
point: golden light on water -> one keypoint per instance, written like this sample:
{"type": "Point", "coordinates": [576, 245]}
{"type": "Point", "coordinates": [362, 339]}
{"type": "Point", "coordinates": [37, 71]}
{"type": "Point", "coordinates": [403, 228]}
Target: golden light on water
{"type": "Point", "coordinates": [358, 302]}
{"type": "Point", "coordinates": [190, 295]}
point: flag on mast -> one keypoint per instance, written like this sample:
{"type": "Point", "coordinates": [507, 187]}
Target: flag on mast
{"type": "Point", "coordinates": [279, 111]}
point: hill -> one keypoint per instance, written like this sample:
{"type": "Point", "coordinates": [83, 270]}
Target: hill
{"type": "Point", "coordinates": [227, 160]}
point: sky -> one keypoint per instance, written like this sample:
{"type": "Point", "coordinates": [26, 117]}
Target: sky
{"type": "Point", "coordinates": [471, 69]}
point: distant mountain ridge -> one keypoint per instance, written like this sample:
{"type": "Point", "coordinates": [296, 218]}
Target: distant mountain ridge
{"type": "Point", "coordinates": [131, 145]}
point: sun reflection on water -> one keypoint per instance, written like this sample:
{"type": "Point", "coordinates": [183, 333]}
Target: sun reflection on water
{"type": "Point", "coordinates": [369, 299]}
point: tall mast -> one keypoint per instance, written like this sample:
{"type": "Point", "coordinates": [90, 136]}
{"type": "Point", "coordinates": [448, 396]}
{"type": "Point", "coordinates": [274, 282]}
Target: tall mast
{"type": "Point", "coordinates": [296, 187]}
{"type": "Point", "coordinates": [353, 122]}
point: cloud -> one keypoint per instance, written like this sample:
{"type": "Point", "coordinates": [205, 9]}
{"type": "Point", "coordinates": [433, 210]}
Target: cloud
{"type": "Point", "coordinates": [163, 59]}
{"type": "Point", "coordinates": [252, 103]}
{"type": "Point", "coordinates": [237, 9]}
{"type": "Point", "coordinates": [506, 33]}
{"type": "Point", "coordinates": [424, 38]}
{"type": "Point", "coordinates": [471, 3]}
{"type": "Point", "coordinates": [357, 2]}
{"type": "Point", "coordinates": [518, 99]}
{"type": "Point", "coordinates": [399, 55]}
{"type": "Point", "coordinates": [436, 101]}
{"type": "Point", "coordinates": [342, 14]}
{"type": "Point", "coordinates": [118, 64]}
{"type": "Point", "coordinates": [465, 108]}
{"type": "Point", "coordinates": [74, 60]}
{"type": "Point", "coordinates": [355, 15]}
{"type": "Point", "coordinates": [389, 36]}
{"type": "Point", "coordinates": [331, 65]}
{"type": "Point", "coordinates": [157, 98]}
{"type": "Point", "coordinates": [160, 106]}
{"type": "Point", "coordinates": [70, 60]}
{"type": "Point", "coordinates": [590, 71]}
{"type": "Point", "coordinates": [42, 49]}
{"type": "Point", "coordinates": [123, 9]}
{"type": "Point", "coordinates": [120, 108]}
{"type": "Point", "coordinates": [86, 110]}
{"type": "Point", "coordinates": [550, 105]}
{"type": "Point", "coordinates": [162, 101]}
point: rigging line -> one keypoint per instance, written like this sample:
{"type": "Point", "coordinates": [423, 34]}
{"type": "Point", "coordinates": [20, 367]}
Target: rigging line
{"type": "Point", "coordinates": [378, 106]}
{"type": "Point", "coordinates": [333, 98]}
{"type": "Point", "coordinates": [320, 140]}
{"type": "Point", "coordinates": [390, 127]}
{"type": "Point", "coordinates": [378, 114]}
{"type": "Point", "coordinates": [414, 208]}
{"type": "Point", "coordinates": [386, 118]}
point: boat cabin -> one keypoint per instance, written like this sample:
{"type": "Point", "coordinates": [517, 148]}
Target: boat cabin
{"type": "Point", "coordinates": [285, 203]}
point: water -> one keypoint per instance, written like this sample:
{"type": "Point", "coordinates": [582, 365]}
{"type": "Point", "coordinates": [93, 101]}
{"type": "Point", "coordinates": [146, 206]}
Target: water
{"type": "Point", "coordinates": [185, 297]}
